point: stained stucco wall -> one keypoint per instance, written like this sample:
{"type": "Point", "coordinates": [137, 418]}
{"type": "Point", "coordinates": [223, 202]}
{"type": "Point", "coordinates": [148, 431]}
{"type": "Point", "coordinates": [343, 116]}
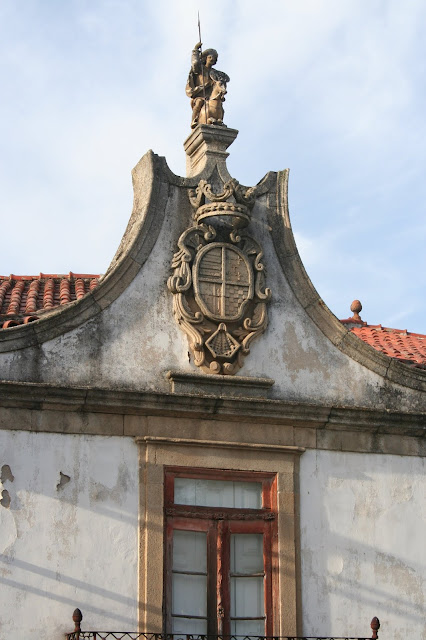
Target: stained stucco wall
{"type": "Point", "coordinates": [67, 543]}
{"type": "Point", "coordinates": [363, 544]}
{"type": "Point", "coordinates": [70, 540]}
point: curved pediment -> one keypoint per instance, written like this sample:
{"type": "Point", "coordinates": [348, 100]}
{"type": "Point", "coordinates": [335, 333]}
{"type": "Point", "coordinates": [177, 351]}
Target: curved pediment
{"type": "Point", "coordinates": [133, 293]}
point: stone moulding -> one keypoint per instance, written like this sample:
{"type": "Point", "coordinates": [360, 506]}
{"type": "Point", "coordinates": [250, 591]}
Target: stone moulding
{"type": "Point", "coordinates": [222, 444]}
{"type": "Point", "coordinates": [51, 409]}
{"type": "Point", "coordinates": [219, 386]}
{"type": "Point", "coordinates": [151, 181]}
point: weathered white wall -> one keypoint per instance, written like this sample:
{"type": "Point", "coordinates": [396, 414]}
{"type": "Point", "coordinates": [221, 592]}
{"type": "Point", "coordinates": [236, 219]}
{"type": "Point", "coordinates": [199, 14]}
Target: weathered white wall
{"type": "Point", "coordinates": [363, 544]}
{"type": "Point", "coordinates": [362, 538]}
{"type": "Point", "coordinates": [72, 545]}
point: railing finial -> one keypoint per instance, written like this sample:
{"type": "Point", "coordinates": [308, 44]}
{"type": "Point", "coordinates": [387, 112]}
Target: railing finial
{"type": "Point", "coordinates": [375, 625]}
{"type": "Point", "coordinates": [77, 617]}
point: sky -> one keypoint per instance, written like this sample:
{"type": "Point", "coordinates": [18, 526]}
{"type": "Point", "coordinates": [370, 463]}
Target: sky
{"type": "Point", "coordinates": [333, 89]}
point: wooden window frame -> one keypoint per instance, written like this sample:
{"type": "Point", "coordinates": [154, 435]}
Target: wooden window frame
{"type": "Point", "coordinates": [220, 523]}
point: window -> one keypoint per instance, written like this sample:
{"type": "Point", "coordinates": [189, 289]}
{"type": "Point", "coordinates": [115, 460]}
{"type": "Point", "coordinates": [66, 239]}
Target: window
{"type": "Point", "coordinates": [220, 541]}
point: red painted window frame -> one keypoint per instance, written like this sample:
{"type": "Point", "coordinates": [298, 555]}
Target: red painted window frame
{"type": "Point", "coordinates": [219, 523]}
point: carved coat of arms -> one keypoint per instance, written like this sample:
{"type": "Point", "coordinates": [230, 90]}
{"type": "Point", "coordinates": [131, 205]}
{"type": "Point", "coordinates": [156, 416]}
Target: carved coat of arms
{"type": "Point", "coordinates": [218, 279]}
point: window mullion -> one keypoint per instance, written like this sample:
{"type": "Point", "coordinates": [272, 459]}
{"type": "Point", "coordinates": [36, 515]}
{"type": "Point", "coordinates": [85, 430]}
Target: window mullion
{"type": "Point", "coordinates": [212, 565]}
{"type": "Point", "coordinates": [223, 586]}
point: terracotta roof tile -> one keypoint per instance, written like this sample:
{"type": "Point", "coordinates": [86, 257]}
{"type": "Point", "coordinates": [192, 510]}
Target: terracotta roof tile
{"type": "Point", "coordinates": [396, 343]}
{"type": "Point", "coordinates": [24, 299]}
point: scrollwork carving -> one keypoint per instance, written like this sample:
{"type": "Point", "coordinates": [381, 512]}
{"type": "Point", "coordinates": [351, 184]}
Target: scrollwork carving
{"type": "Point", "coordinates": [218, 279]}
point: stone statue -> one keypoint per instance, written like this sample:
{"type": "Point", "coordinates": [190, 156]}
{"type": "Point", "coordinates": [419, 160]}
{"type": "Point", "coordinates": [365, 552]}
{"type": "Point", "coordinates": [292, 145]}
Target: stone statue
{"type": "Point", "coordinates": [206, 87]}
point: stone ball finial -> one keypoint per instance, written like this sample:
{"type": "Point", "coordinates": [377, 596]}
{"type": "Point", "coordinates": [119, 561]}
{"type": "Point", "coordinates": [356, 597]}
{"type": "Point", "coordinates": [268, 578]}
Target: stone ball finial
{"type": "Point", "coordinates": [356, 307]}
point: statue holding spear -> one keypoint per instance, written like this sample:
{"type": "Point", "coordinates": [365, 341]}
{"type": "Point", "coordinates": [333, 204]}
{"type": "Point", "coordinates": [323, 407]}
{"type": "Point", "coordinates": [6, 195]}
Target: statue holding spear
{"type": "Point", "coordinates": [206, 86]}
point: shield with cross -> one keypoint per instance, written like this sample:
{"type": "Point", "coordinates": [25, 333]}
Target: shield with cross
{"type": "Point", "coordinates": [223, 281]}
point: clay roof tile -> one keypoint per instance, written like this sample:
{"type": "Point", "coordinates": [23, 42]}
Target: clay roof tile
{"type": "Point", "coordinates": [23, 298]}
{"type": "Point", "coordinates": [396, 343]}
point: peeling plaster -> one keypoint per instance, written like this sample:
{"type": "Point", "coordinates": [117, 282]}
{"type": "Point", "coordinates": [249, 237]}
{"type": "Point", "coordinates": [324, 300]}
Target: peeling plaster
{"type": "Point", "coordinates": [99, 492]}
{"type": "Point", "coordinates": [64, 479]}
{"type": "Point", "coordinates": [304, 357]}
{"type": "Point", "coordinates": [6, 474]}
{"type": "Point", "coordinates": [5, 499]}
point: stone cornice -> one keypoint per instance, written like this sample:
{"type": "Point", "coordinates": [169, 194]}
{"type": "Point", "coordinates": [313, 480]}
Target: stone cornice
{"type": "Point", "coordinates": [46, 397]}
{"type": "Point", "coordinates": [220, 444]}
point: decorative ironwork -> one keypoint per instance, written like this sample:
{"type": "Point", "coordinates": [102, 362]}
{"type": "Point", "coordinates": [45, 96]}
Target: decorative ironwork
{"type": "Point", "coordinates": [134, 635]}
{"type": "Point", "coordinates": [77, 634]}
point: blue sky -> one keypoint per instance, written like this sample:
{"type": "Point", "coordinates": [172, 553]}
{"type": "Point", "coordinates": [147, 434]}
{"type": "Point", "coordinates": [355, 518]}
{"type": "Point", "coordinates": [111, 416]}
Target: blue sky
{"type": "Point", "coordinates": [333, 89]}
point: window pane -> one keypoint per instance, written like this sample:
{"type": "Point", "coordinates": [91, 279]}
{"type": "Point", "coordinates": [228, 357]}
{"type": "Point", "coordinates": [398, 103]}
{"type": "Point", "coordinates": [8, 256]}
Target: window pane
{"type": "Point", "coordinates": [218, 493]}
{"type": "Point", "coordinates": [247, 553]}
{"type": "Point", "coordinates": [186, 626]}
{"type": "Point", "coordinates": [247, 627]}
{"type": "Point", "coordinates": [189, 551]}
{"type": "Point", "coordinates": [247, 597]}
{"type": "Point", "coordinates": [189, 595]}
{"type": "Point", "coordinates": [189, 592]}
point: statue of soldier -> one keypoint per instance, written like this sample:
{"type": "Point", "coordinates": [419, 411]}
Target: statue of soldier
{"type": "Point", "coordinates": [206, 87]}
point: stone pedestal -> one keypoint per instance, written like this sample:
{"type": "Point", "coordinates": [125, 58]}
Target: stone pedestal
{"type": "Point", "coordinates": [207, 143]}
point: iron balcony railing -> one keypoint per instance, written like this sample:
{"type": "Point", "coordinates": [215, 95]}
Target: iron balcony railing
{"type": "Point", "coordinates": [134, 635]}
{"type": "Point", "coordinates": [78, 634]}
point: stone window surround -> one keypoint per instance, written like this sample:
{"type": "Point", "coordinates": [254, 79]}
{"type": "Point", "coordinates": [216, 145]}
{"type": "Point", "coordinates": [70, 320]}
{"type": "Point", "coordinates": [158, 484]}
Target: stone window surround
{"type": "Point", "coordinates": [157, 453]}
{"type": "Point", "coordinates": [218, 524]}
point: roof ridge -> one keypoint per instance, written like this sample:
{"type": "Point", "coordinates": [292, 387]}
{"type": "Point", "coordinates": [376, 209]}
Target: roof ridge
{"type": "Point", "coordinates": [380, 327]}
{"type": "Point", "coordinates": [42, 276]}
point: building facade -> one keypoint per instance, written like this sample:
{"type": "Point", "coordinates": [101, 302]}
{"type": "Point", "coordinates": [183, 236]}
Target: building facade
{"type": "Point", "coordinates": [194, 443]}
